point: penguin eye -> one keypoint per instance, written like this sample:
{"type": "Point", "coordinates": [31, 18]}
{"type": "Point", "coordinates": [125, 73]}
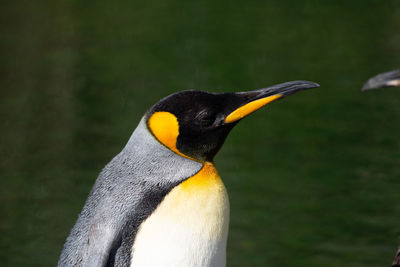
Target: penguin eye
{"type": "Point", "coordinates": [204, 119]}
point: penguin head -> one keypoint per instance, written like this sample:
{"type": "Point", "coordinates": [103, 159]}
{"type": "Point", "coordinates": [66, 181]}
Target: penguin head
{"type": "Point", "coordinates": [195, 124]}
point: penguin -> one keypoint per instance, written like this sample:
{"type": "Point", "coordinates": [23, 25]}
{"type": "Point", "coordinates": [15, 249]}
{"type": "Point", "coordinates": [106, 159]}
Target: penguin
{"type": "Point", "coordinates": [386, 79]}
{"type": "Point", "coordinates": [161, 201]}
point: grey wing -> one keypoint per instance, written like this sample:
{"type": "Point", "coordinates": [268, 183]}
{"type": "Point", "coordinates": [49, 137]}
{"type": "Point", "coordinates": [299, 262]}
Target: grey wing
{"type": "Point", "coordinates": [101, 240]}
{"type": "Point", "coordinates": [106, 228]}
{"type": "Point", "coordinates": [126, 192]}
{"type": "Point", "coordinates": [91, 239]}
{"type": "Point", "coordinates": [107, 225]}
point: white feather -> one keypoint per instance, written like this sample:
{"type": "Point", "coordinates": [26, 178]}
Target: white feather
{"type": "Point", "coordinates": [189, 228]}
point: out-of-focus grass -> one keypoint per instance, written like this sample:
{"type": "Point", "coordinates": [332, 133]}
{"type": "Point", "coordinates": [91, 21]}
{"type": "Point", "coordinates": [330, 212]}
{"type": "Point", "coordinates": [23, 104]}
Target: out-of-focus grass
{"type": "Point", "coordinates": [313, 179]}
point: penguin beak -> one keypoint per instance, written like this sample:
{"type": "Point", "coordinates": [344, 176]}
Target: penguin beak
{"type": "Point", "coordinates": [254, 100]}
{"type": "Point", "coordinates": [387, 79]}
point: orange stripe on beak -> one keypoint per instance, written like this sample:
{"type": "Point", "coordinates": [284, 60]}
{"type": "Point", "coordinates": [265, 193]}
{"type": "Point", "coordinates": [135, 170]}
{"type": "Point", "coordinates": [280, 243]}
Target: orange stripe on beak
{"type": "Point", "coordinates": [249, 108]}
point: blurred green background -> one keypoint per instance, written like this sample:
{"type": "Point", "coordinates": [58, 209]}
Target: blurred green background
{"type": "Point", "coordinates": [313, 180]}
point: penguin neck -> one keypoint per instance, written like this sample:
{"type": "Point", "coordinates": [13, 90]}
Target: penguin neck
{"type": "Point", "coordinates": [142, 138]}
{"type": "Point", "coordinates": [144, 152]}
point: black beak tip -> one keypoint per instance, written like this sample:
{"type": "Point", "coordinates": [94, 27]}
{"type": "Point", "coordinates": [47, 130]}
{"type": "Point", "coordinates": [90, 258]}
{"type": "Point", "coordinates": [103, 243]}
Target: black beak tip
{"type": "Point", "coordinates": [282, 89]}
{"type": "Point", "coordinates": [313, 85]}
{"type": "Point", "coordinates": [296, 86]}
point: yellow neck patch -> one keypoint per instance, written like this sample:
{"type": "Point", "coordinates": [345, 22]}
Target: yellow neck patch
{"type": "Point", "coordinates": [205, 178]}
{"type": "Point", "coordinates": [249, 108]}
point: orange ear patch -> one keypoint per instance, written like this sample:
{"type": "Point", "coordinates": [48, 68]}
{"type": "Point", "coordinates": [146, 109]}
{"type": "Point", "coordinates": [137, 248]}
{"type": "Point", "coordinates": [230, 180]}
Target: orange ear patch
{"type": "Point", "coordinates": [165, 127]}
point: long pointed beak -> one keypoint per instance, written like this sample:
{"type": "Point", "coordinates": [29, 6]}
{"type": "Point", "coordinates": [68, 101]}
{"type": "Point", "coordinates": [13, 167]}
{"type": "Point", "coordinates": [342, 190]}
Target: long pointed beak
{"type": "Point", "coordinates": [254, 100]}
{"type": "Point", "coordinates": [387, 79]}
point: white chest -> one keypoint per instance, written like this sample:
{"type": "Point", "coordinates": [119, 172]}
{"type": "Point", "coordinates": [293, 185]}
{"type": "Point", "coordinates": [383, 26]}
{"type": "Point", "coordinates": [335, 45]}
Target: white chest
{"type": "Point", "coordinates": [189, 228]}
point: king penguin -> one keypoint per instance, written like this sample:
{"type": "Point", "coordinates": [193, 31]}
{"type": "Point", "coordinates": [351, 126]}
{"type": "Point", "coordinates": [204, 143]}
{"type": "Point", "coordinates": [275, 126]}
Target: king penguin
{"type": "Point", "coordinates": [160, 201]}
{"type": "Point", "coordinates": [386, 79]}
